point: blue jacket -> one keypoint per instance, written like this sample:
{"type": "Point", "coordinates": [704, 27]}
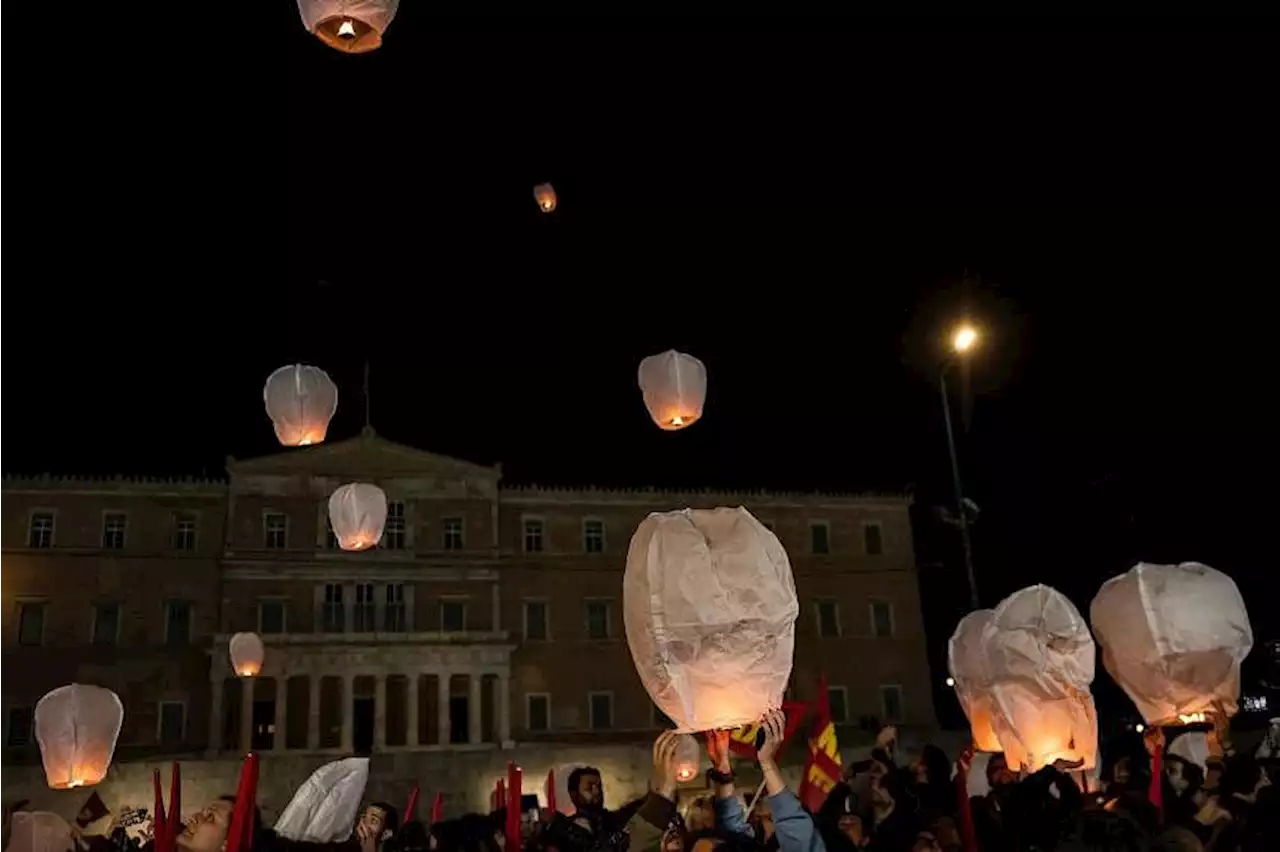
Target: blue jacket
{"type": "Point", "coordinates": [792, 824]}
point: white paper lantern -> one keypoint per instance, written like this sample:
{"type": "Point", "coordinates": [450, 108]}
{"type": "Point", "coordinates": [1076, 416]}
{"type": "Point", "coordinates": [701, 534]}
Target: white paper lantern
{"type": "Point", "coordinates": [358, 512]}
{"type": "Point", "coordinates": [77, 727]}
{"type": "Point", "coordinates": [326, 805]}
{"type": "Point", "coordinates": [300, 401]}
{"type": "Point", "coordinates": [1040, 654]}
{"type": "Point", "coordinates": [710, 606]}
{"type": "Point", "coordinates": [1173, 636]}
{"type": "Point", "coordinates": [967, 662]}
{"type": "Point", "coordinates": [675, 387]}
{"type": "Point", "coordinates": [545, 195]}
{"type": "Point", "coordinates": [247, 654]}
{"type": "Point", "coordinates": [352, 26]}
{"type": "Point", "coordinates": [39, 831]}
{"type": "Point", "coordinates": [688, 758]}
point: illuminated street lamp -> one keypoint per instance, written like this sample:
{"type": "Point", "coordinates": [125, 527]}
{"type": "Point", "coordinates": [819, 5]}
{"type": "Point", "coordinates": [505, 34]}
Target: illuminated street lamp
{"type": "Point", "coordinates": [963, 340]}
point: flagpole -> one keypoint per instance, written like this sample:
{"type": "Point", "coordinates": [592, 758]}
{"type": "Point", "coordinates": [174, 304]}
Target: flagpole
{"type": "Point", "coordinates": [755, 798]}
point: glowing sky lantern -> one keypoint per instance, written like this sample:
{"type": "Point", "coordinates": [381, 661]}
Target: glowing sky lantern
{"type": "Point", "coordinates": [545, 195]}
{"type": "Point", "coordinates": [674, 386]}
{"type": "Point", "coordinates": [352, 26]}
{"type": "Point", "coordinates": [1173, 636]}
{"type": "Point", "coordinates": [300, 401]}
{"type": "Point", "coordinates": [247, 654]}
{"type": "Point", "coordinates": [971, 676]}
{"type": "Point", "coordinates": [357, 512]}
{"type": "Point", "coordinates": [77, 727]}
{"type": "Point", "coordinates": [688, 758]}
{"type": "Point", "coordinates": [709, 604]}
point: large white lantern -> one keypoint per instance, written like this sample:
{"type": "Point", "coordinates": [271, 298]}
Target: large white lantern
{"type": "Point", "coordinates": [1041, 654]}
{"type": "Point", "coordinates": [675, 387]}
{"type": "Point", "coordinates": [352, 26]}
{"type": "Point", "coordinates": [1174, 637]}
{"type": "Point", "coordinates": [326, 806]}
{"type": "Point", "coordinates": [967, 662]}
{"type": "Point", "coordinates": [77, 727]}
{"type": "Point", "coordinates": [545, 195]}
{"type": "Point", "coordinates": [358, 512]}
{"type": "Point", "coordinates": [247, 654]}
{"type": "Point", "coordinates": [709, 605]}
{"type": "Point", "coordinates": [300, 401]}
{"type": "Point", "coordinates": [39, 831]}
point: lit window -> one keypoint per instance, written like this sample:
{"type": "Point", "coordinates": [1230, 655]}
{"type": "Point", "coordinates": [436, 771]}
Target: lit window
{"type": "Point", "coordinates": [40, 533]}
{"type": "Point", "coordinates": [113, 526]}
{"type": "Point", "coordinates": [393, 537]}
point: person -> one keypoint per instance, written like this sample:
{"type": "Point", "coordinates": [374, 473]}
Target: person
{"type": "Point", "coordinates": [591, 827]}
{"type": "Point", "coordinates": [379, 820]}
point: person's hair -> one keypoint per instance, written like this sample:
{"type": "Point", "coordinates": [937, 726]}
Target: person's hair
{"type": "Point", "coordinates": [413, 837]}
{"type": "Point", "coordinates": [393, 816]}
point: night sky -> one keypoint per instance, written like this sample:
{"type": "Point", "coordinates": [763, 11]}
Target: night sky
{"type": "Point", "coordinates": [797, 211]}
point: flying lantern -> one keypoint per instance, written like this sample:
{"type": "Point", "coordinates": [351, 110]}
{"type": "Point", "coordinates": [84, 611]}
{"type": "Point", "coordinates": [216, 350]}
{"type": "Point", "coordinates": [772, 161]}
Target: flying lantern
{"type": "Point", "coordinates": [352, 26]}
{"type": "Point", "coordinates": [247, 654]}
{"type": "Point", "coordinates": [709, 605]}
{"type": "Point", "coordinates": [688, 758]}
{"type": "Point", "coordinates": [1174, 637]}
{"type": "Point", "coordinates": [674, 386]}
{"type": "Point", "coordinates": [39, 831]}
{"type": "Point", "coordinates": [77, 727]}
{"type": "Point", "coordinates": [545, 195]}
{"type": "Point", "coordinates": [1040, 654]}
{"type": "Point", "coordinates": [967, 662]}
{"type": "Point", "coordinates": [300, 401]}
{"type": "Point", "coordinates": [326, 805]}
{"type": "Point", "coordinates": [357, 511]}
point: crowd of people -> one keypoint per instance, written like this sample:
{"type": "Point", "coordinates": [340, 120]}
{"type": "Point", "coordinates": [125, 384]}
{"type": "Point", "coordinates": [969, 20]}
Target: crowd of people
{"type": "Point", "coordinates": [1147, 797]}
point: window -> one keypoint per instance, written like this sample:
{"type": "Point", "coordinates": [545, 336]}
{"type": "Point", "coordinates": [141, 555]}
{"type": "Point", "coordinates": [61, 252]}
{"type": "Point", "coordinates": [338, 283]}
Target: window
{"type": "Point", "coordinates": [334, 615]}
{"type": "Point", "coordinates": [184, 531]}
{"type": "Point", "coordinates": [881, 619]}
{"type": "Point", "coordinates": [601, 707]}
{"type": "Point", "coordinates": [838, 698]}
{"type": "Point", "coordinates": [593, 536]}
{"type": "Point", "coordinates": [819, 537]}
{"type": "Point", "coordinates": [393, 612]}
{"type": "Point", "coordinates": [40, 531]}
{"type": "Point", "coordinates": [453, 616]}
{"type": "Point", "coordinates": [597, 619]}
{"type": "Point", "coordinates": [535, 621]}
{"type": "Point", "coordinates": [393, 529]}
{"type": "Point", "coordinates": [173, 718]}
{"type": "Point", "coordinates": [366, 614]}
{"type": "Point", "coordinates": [106, 623]}
{"type": "Point", "coordinates": [177, 623]}
{"type": "Point", "coordinates": [537, 711]}
{"type": "Point", "coordinates": [113, 524]}
{"type": "Point", "coordinates": [828, 613]}
{"type": "Point", "coordinates": [891, 703]}
{"type": "Point", "coordinates": [276, 525]}
{"type": "Point", "coordinates": [533, 535]}
{"type": "Point", "coordinates": [872, 539]}
{"type": "Point", "coordinates": [271, 617]}
{"type": "Point", "coordinates": [19, 727]}
{"type": "Point", "coordinates": [453, 534]}
{"type": "Point", "coordinates": [31, 624]}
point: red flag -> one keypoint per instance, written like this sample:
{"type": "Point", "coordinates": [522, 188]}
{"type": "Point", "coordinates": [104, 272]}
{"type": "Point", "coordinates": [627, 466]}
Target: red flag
{"type": "Point", "coordinates": [411, 808]}
{"type": "Point", "coordinates": [551, 790]}
{"type": "Point", "coordinates": [240, 834]}
{"type": "Point", "coordinates": [822, 768]}
{"type": "Point", "coordinates": [742, 741]}
{"type": "Point", "coordinates": [499, 795]}
{"type": "Point", "coordinates": [513, 807]}
{"type": "Point", "coordinates": [166, 828]}
{"type": "Point", "coordinates": [437, 809]}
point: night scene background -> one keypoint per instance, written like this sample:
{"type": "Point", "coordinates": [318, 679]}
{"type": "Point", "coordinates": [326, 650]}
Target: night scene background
{"type": "Point", "coordinates": [809, 215]}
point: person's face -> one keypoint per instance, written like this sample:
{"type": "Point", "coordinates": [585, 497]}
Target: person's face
{"type": "Point", "coordinates": [589, 790]}
{"type": "Point", "coordinates": [374, 819]}
{"type": "Point", "coordinates": [672, 842]}
{"type": "Point", "coordinates": [926, 841]}
{"type": "Point", "coordinates": [880, 794]}
{"type": "Point", "coordinates": [207, 830]}
{"type": "Point", "coordinates": [1173, 770]}
{"type": "Point", "coordinates": [922, 772]}
{"type": "Point", "coordinates": [851, 827]}
{"type": "Point", "coordinates": [998, 772]}
{"type": "Point", "coordinates": [1212, 775]}
{"type": "Point", "coordinates": [1120, 774]}
{"type": "Point", "coordinates": [701, 815]}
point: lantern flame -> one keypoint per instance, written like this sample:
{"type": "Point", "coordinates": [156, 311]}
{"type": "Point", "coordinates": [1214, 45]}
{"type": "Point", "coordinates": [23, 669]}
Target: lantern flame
{"type": "Point", "coordinates": [677, 420]}
{"type": "Point", "coordinates": [1192, 718]}
{"type": "Point", "coordinates": [347, 29]}
{"type": "Point", "coordinates": [75, 782]}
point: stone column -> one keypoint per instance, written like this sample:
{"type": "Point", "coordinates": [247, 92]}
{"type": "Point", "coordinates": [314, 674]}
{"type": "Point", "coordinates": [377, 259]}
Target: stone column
{"type": "Point", "coordinates": [313, 713]}
{"type": "Point", "coordinates": [348, 722]}
{"type": "Point", "coordinates": [497, 609]}
{"type": "Point", "coordinates": [246, 713]}
{"type": "Point", "coordinates": [411, 711]}
{"type": "Point", "coordinates": [442, 706]}
{"type": "Point", "coordinates": [215, 713]}
{"type": "Point", "coordinates": [474, 715]}
{"type": "Point", "coordinates": [282, 714]}
{"type": "Point", "coordinates": [503, 699]}
{"type": "Point", "coordinates": [380, 713]}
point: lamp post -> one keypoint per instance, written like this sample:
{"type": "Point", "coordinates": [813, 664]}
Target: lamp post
{"type": "Point", "coordinates": [961, 343]}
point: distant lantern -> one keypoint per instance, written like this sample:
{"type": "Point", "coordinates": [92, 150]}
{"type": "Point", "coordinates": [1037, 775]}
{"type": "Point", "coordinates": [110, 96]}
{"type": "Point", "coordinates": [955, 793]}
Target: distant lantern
{"type": "Point", "coordinates": [688, 758]}
{"type": "Point", "coordinates": [358, 512]}
{"type": "Point", "coordinates": [971, 677]}
{"type": "Point", "coordinates": [674, 386]}
{"type": "Point", "coordinates": [77, 727]}
{"type": "Point", "coordinates": [300, 401]}
{"type": "Point", "coordinates": [247, 654]}
{"type": "Point", "coordinates": [352, 26]}
{"type": "Point", "coordinates": [545, 195]}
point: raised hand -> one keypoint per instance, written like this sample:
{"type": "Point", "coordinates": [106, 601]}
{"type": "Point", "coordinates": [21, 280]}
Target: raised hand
{"type": "Point", "coordinates": [663, 780]}
{"type": "Point", "coordinates": [774, 726]}
{"type": "Point", "coordinates": [718, 750]}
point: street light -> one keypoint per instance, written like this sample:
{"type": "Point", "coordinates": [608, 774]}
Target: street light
{"type": "Point", "coordinates": [962, 342]}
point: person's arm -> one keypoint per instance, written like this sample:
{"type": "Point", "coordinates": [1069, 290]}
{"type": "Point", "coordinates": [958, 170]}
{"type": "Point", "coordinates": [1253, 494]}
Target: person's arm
{"type": "Point", "coordinates": [964, 809]}
{"type": "Point", "coordinates": [792, 825]}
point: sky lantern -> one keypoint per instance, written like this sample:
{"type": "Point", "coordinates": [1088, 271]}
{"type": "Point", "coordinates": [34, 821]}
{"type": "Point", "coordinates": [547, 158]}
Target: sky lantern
{"type": "Point", "coordinates": [352, 26]}
{"type": "Point", "coordinates": [967, 662]}
{"type": "Point", "coordinates": [709, 605]}
{"type": "Point", "coordinates": [300, 401]}
{"type": "Point", "coordinates": [247, 654]}
{"type": "Point", "coordinates": [1173, 636]}
{"type": "Point", "coordinates": [674, 386]}
{"type": "Point", "coordinates": [545, 195]}
{"type": "Point", "coordinates": [357, 511]}
{"type": "Point", "coordinates": [688, 758]}
{"type": "Point", "coordinates": [77, 727]}
{"type": "Point", "coordinates": [327, 804]}
{"type": "Point", "coordinates": [1040, 654]}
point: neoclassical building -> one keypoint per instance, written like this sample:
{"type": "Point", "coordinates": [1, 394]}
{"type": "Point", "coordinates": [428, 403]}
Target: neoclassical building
{"type": "Point", "coordinates": [488, 614]}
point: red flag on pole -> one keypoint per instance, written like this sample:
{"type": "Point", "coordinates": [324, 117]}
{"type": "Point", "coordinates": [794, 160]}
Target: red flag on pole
{"type": "Point", "coordinates": [822, 768]}
{"type": "Point", "coordinates": [437, 809]}
{"type": "Point", "coordinates": [551, 790]}
{"type": "Point", "coordinates": [411, 808]}
{"type": "Point", "coordinates": [499, 799]}
{"type": "Point", "coordinates": [514, 787]}
{"type": "Point", "coordinates": [240, 834]}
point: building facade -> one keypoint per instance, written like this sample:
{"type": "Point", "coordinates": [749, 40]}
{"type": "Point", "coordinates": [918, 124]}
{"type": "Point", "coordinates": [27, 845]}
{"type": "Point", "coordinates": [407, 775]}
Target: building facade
{"type": "Point", "coordinates": [487, 615]}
